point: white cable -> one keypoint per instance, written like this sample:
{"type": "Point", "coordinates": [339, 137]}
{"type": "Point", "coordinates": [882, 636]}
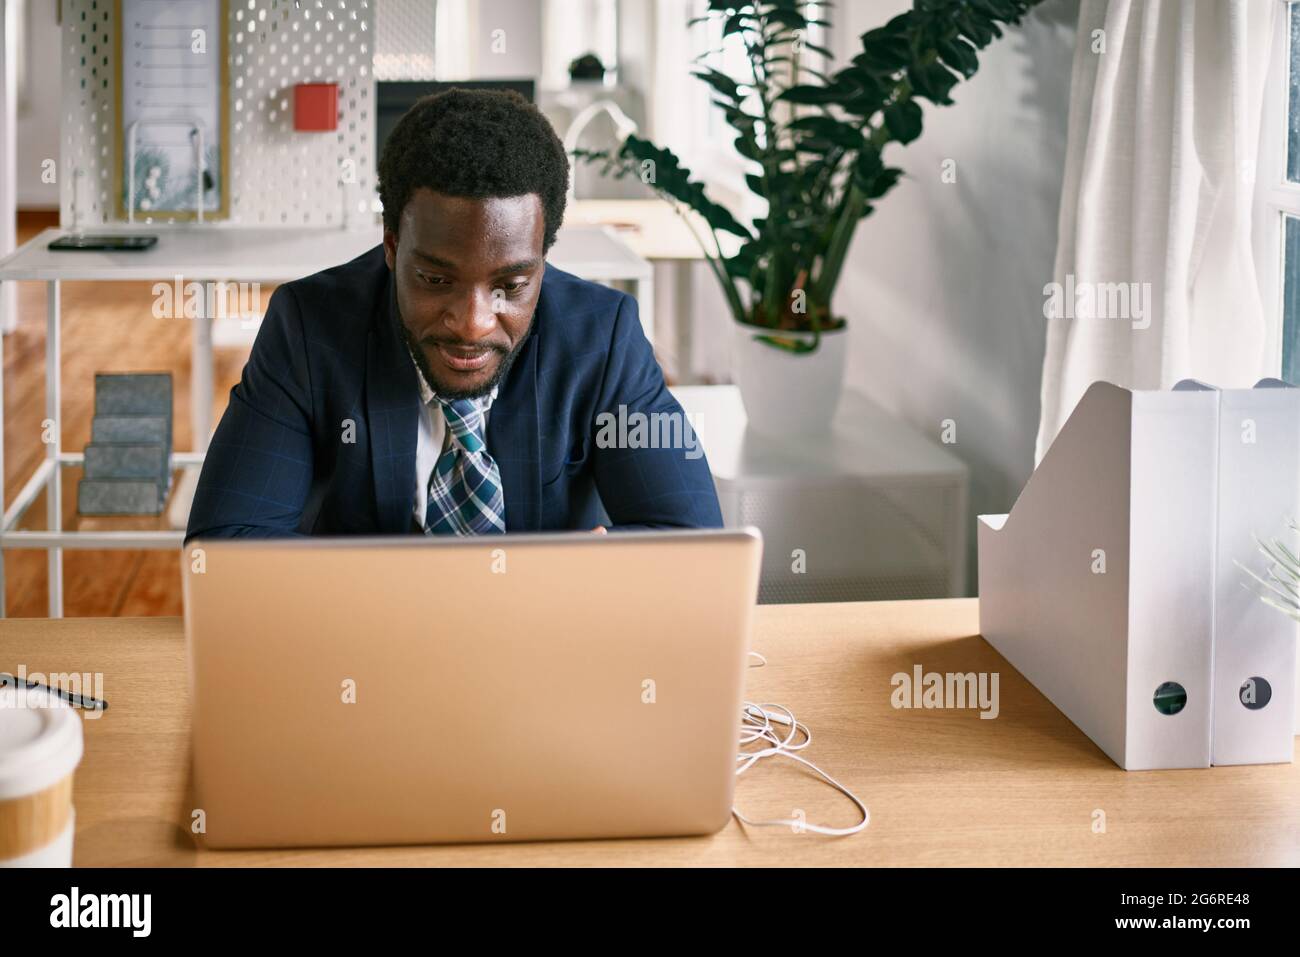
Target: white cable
{"type": "Point", "coordinates": [757, 724]}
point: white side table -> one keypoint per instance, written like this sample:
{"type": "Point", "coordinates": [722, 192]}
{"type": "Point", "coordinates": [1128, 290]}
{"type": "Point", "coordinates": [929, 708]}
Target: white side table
{"type": "Point", "coordinates": [871, 511]}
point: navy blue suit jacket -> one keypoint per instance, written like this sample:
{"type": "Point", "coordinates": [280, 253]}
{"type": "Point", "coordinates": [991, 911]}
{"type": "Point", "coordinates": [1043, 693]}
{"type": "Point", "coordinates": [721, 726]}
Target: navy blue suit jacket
{"type": "Point", "coordinates": [319, 437]}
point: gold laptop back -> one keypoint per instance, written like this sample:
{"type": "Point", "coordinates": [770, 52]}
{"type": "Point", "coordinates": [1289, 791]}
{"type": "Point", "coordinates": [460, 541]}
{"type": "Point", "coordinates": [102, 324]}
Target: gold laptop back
{"type": "Point", "coordinates": [410, 691]}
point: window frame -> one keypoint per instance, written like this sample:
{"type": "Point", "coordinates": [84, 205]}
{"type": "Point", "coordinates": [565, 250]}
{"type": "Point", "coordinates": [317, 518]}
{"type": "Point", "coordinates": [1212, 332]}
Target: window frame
{"type": "Point", "coordinates": [1275, 196]}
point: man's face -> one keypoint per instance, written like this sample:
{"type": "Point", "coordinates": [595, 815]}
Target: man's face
{"type": "Point", "coordinates": [468, 273]}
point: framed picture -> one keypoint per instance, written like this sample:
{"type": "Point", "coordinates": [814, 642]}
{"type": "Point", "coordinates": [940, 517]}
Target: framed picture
{"type": "Point", "coordinates": [171, 144]}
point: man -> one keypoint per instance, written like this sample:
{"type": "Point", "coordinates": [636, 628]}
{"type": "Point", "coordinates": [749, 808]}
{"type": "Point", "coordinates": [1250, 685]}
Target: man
{"type": "Point", "coordinates": [449, 381]}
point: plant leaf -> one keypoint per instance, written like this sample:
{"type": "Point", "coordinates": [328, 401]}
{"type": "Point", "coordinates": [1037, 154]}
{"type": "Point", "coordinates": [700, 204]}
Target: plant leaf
{"type": "Point", "coordinates": [959, 55]}
{"type": "Point", "coordinates": [722, 83]}
{"type": "Point", "coordinates": [884, 51]}
{"type": "Point", "coordinates": [810, 95]}
{"type": "Point", "coordinates": [932, 81]}
{"type": "Point", "coordinates": [670, 176]}
{"type": "Point", "coordinates": [903, 120]}
{"type": "Point", "coordinates": [829, 129]}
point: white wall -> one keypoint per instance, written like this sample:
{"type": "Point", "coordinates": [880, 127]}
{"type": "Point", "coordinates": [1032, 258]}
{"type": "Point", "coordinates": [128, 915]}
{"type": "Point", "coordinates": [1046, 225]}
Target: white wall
{"type": "Point", "coordinates": [943, 284]}
{"type": "Point", "coordinates": [38, 114]}
{"type": "Point", "coordinates": [515, 51]}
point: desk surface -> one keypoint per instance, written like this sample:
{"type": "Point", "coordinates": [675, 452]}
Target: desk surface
{"type": "Point", "coordinates": [256, 254]}
{"type": "Point", "coordinates": [945, 787]}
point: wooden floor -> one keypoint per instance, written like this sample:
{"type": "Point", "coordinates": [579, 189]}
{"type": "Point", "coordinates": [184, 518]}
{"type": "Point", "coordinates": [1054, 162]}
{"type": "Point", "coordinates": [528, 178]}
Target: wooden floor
{"type": "Point", "coordinates": [107, 327]}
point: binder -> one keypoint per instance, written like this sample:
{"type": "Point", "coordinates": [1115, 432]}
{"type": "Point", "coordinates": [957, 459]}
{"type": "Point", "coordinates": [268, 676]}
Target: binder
{"type": "Point", "coordinates": [1099, 585]}
{"type": "Point", "coordinates": [1254, 717]}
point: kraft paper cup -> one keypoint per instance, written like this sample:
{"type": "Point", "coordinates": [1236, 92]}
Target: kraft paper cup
{"type": "Point", "coordinates": [40, 748]}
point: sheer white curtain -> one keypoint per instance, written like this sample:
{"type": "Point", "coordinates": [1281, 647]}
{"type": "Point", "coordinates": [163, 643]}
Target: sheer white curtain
{"type": "Point", "coordinates": [1155, 278]}
{"type": "Point", "coordinates": [452, 25]}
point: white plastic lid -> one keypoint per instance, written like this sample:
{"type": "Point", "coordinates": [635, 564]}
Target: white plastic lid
{"type": "Point", "coordinates": [40, 741]}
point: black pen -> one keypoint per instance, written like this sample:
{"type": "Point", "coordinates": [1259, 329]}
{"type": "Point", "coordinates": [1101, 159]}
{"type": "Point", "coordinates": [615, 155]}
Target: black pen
{"type": "Point", "coordinates": [76, 700]}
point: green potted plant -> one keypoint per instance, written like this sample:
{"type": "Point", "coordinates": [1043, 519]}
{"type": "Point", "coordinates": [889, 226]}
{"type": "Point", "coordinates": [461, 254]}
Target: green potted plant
{"type": "Point", "coordinates": [816, 144]}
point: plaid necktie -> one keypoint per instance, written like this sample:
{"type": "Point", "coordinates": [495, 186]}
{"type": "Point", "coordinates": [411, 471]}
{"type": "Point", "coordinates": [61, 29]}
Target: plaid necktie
{"type": "Point", "coordinates": [465, 486]}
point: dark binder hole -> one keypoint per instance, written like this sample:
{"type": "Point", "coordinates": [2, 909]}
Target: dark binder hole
{"type": "Point", "coordinates": [1171, 698]}
{"type": "Point", "coordinates": [1255, 693]}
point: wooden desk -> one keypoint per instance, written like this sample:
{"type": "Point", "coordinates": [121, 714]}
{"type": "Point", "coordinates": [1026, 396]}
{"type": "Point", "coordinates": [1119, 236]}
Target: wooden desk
{"type": "Point", "coordinates": [944, 787]}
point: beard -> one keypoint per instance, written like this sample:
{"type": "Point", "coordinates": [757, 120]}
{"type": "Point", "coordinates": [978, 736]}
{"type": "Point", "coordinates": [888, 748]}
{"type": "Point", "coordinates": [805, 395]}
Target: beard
{"type": "Point", "coordinates": [442, 390]}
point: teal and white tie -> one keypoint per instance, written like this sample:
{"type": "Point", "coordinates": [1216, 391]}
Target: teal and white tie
{"type": "Point", "coordinates": [465, 495]}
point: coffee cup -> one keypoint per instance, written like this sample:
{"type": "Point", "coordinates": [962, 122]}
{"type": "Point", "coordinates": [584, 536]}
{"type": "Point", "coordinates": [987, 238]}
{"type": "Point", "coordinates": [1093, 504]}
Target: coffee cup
{"type": "Point", "coordinates": [40, 748]}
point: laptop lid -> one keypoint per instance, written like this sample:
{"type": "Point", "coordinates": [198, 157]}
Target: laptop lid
{"type": "Point", "coordinates": [415, 690]}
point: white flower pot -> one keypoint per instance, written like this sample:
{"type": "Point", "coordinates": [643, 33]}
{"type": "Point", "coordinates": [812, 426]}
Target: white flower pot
{"type": "Point", "coordinates": [786, 391]}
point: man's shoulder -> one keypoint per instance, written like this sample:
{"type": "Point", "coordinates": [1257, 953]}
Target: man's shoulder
{"type": "Point", "coordinates": [360, 281]}
{"type": "Point", "coordinates": [333, 308]}
{"type": "Point", "coordinates": [578, 309]}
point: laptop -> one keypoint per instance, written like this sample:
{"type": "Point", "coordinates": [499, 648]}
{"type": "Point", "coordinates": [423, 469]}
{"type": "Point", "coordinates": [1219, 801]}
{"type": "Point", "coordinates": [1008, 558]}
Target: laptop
{"type": "Point", "coordinates": [370, 691]}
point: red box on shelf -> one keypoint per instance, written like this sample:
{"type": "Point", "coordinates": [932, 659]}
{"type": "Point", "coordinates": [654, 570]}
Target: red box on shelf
{"type": "Point", "coordinates": [315, 107]}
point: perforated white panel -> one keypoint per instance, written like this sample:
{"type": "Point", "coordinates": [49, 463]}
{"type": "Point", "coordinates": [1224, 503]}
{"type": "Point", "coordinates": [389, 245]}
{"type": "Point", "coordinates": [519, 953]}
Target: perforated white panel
{"type": "Point", "coordinates": [279, 177]}
{"type": "Point", "coordinates": [86, 126]}
{"type": "Point", "coordinates": [404, 39]}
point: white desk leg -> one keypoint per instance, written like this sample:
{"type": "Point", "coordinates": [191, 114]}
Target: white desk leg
{"type": "Point", "coordinates": [201, 383]}
{"type": "Point", "coordinates": [683, 278]}
{"type": "Point", "coordinates": [53, 491]}
{"type": "Point", "coordinates": [961, 539]}
{"type": "Point", "coordinates": [2, 475]}
{"type": "Point", "coordinates": [8, 209]}
{"type": "Point", "coordinates": [178, 512]}
{"type": "Point", "coordinates": [8, 307]}
{"type": "Point", "coordinates": [9, 41]}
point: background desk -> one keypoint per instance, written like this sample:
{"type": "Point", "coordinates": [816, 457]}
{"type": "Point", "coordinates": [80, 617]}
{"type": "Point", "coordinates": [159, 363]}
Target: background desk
{"type": "Point", "coordinates": [944, 787]}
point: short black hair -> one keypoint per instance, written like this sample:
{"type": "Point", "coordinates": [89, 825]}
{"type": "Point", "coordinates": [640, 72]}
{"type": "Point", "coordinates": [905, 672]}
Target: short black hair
{"type": "Point", "coordinates": [476, 144]}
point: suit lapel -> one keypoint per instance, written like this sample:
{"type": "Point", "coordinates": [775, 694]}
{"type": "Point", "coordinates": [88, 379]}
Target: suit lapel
{"type": "Point", "coordinates": [392, 410]}
{"type": "Point", "coordinates": [512, 439]}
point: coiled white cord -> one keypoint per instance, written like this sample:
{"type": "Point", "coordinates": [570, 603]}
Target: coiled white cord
{"type": "Point", "coordinates": [758, 724]}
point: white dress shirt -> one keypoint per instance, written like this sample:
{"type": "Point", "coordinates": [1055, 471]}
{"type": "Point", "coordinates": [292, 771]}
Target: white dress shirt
{"type": "Point", "coordinates": [431, 440]}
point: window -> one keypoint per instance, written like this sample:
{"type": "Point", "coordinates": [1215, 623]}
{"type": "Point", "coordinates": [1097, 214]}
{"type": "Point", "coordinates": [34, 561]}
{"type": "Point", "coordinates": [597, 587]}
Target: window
{"type": "Point", "coordinates": [572, 28]}
{"type": "Point", "coordinates": [1293, 96]}
{"type": "Point", "coordinates": [1280, 191]}
{"type": "Point", "coordinates": [697, 130]}
{"type": "Point", "coordinates": [727, 54]}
